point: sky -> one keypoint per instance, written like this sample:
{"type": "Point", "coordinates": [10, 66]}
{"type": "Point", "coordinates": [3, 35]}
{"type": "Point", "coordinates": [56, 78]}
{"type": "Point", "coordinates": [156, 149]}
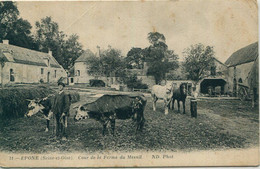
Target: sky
{"type": "Point", "coordinates": [227, 25]}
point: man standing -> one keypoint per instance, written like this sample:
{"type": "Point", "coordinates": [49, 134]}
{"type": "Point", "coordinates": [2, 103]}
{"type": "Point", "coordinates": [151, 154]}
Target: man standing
{"type": "Point", "coordinates": [61, 107]}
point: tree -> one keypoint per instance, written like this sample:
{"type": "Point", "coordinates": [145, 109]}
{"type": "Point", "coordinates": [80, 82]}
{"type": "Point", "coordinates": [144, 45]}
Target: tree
{"type": "Point", "coordinates": [198, 61]}
{"type": "Point", "coordinates": [8, 16]}
{"type": "Point", "coordinates": [134, 58]}
{"type": "Point", "coordinates": [95, 67]}
{"type": "Point", "coordinates": [21, 35]}
{"type": "Point", "coordinates": [49, 37]}
{"type": "Point", "coordinates": [71, 50]}
{"type": "Point", "coordinates": [13, 28]}
{"type": "Point", "coordinates": [159, 58]}
{"type": "Point", "coordinates": [110, 63]}
{"type": "Point", "coordinates": [155, 38]}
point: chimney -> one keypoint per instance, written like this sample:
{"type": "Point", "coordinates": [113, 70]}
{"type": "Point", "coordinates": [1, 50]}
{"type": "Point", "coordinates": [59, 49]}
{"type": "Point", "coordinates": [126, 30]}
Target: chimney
{"type": "Point", "coordinates": [98, 51]}
{"type": "Point", "coordinates": [6, 42]}
{"type": "Point", "coordinates": [50, 52]}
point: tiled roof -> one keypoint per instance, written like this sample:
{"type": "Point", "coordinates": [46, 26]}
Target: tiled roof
{"type": "Point", "coordinates": [244, 55]}
{"type": "Point", "coordinates": [86, 54]}
{"type": "Point", "coordinates": [26, 56]}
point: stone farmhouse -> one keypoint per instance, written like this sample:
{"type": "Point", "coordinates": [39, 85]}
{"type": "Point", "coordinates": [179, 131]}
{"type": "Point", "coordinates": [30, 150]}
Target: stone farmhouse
{"type": "Point", "coordinates": [81, 75]}
{"type": "Point", "coordinates": [23, 65]}
{"type": "Point", "coordinates": [241, 64]}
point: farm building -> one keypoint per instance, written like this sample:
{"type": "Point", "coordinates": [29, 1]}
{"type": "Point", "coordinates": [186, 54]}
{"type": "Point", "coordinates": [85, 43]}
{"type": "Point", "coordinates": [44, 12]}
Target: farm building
{"type": "Point", "coordinates": [23, 65]}
{"type": "Point", "coordinates": [82, 75]}
{"type": "Point", "coordinates": [81, 68]}
{"type": "Point", "coordinates": [214, 79]}
{"type": "Point", "coordinates": [240, 66]}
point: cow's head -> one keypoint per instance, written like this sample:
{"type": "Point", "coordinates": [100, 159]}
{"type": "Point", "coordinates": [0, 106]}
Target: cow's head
{"type": "Point", "coordinates": [137, 104]}
{"type": "Point", "coordinates": [81, 113]}
{"type": "Point", "coordinates": [33, 108]}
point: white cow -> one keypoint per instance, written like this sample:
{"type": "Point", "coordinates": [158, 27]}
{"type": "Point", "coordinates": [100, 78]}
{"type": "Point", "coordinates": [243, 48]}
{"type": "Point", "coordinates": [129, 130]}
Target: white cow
{"type": "Point", "coordinates": [162, 92]}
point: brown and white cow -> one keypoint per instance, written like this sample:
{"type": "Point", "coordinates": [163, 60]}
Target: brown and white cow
{"type": "Point", "coordinates": [41, 106]}
{"type": "Point", "coordinates": [108, 108]}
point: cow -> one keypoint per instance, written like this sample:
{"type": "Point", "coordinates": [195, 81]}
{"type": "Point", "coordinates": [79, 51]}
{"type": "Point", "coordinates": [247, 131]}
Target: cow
{"type": "Point", "coordinates": [162, 92]}
{"type": "Point", "coordinates": [108, 108]}
{"type": "Point", "coordinates": [179, 94]}
{"type": "Point", "coordinates": [43, 106]}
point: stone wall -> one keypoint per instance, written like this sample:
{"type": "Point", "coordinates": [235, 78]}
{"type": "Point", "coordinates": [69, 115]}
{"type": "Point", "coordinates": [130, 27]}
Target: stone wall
{"type": "Point", "coordinates": [24, 73]}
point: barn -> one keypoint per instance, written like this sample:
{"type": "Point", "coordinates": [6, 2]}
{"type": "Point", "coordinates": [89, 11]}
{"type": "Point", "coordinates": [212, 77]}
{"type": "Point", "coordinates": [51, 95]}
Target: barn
{"type": "Point", "coordinates": [240, 65]}
{"type": "Point", "coordinates": [21, 65]}
{"type": "Point", "coordinates": [216, 80]}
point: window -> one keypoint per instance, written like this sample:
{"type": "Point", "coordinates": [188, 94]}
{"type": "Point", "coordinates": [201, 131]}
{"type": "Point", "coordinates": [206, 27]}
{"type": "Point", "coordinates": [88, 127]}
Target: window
{"type": "Point", "coordinates": [11, 75]}
{"type": "Point", "coordinates": [42, 71]}
{"type": "Point", "coordinates": [55, 73]}
{"type": "Point", "coordinates": [78, 73]}
{"type": "Point", "coordinates": [71, 80]}
{"type": "Point", "coordinates": [213, 70]}
{"type": "Point", "coordinates": [240, 80]}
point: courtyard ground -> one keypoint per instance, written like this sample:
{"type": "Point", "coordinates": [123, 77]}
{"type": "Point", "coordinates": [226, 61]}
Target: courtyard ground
{"type": "Point", "coordinates": [221, 124]}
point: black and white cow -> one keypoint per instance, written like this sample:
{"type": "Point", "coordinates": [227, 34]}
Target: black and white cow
{"type": "Point", "coordinates": [43, 106]}
{"type": "Point", "coordinates": [108, 108]}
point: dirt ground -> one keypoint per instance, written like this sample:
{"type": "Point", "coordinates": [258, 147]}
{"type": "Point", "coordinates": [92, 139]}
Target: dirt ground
{"type": "Point", "coordinates": [220, 125]}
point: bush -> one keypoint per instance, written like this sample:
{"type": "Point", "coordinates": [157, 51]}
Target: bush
{"type": "Point", "coordinates": [133, 82]}
{"type": "Point", "coordinates": [97, 83]}
{"type": "Point", "coordinates": [13, 101]}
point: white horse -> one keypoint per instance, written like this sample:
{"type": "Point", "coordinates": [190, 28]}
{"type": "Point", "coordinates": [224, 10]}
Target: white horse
{"type": "Point", "coordinates": [162, 92]}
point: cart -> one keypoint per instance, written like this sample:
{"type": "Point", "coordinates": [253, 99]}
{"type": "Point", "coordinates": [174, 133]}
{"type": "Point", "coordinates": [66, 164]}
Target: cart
{"type": "Point", "coordinates": [244, 92]}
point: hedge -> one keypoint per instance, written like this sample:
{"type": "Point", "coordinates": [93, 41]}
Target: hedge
{"type": "Point", "coordinates": [13, 103]}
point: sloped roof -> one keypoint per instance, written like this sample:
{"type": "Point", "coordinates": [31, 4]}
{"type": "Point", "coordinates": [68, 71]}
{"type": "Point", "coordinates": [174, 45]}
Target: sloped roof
{"type": "Point", "coordinates": [244, 55]}
{"type": "Point", "coordinates": [26, 56]}
{"type": "Point", "coordinates": [220, 62]}
{"type": "Point", "coordinates": [85, 55]}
